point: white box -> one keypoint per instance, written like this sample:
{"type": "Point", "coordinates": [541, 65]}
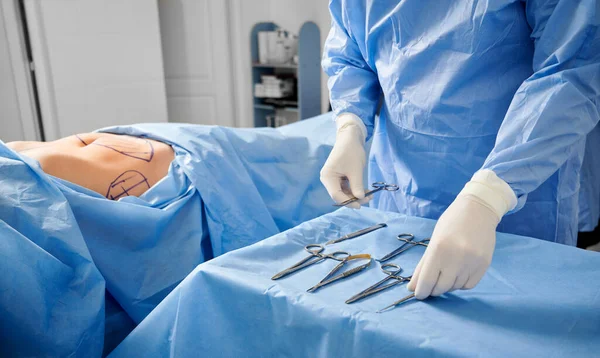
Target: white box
{"type": "Point", "coordinates": [263, 46]}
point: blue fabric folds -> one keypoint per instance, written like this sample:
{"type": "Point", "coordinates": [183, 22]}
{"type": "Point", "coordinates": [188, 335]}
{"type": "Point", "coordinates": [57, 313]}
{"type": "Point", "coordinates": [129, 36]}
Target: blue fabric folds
{"type": "Point", "coordinates": [589, 193]}
{"type": "Point", "coordinates": [51, 293]}
{"type": "Point", "coordinates": [538, 299]}
{"type": "Point", "coordinates": [226, 188]}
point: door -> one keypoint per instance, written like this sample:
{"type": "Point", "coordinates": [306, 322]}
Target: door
{"type": "Point", "coordinates": [18, 120]}
{"type": "Point", "coordinates": [98, 63]}
{"type": "Point", "coordinates": [197, 60]}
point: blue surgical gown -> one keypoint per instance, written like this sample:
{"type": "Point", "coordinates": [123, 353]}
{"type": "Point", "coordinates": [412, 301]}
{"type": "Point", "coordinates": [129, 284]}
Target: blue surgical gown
{"type": "Point", "coordinates": [589, 194]}
{"type": "Point", "coordinates": [446, 88]}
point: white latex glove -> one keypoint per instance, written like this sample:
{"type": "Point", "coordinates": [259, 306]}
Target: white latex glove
{"type": "Point", "coordinates": [462, 244]}
{"type": "Point", "coordinates": [342, 173]}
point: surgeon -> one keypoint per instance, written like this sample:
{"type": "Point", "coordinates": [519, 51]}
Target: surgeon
{"type": "Point", "coordinates": [477, 109]}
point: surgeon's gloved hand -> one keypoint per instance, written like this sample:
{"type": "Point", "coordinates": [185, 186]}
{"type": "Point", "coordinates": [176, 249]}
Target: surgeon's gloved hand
{"type": "Point", "coordinates": [462, 244]}
{"type": "Point", "coordinates": [342, 173]}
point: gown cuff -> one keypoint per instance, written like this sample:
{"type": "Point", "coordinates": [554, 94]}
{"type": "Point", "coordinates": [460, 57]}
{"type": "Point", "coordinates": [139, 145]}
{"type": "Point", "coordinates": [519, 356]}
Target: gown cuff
{"type": "Point", "coordinates": [346, 119]}
{"type": "Point", "coordinates": [492, 191]}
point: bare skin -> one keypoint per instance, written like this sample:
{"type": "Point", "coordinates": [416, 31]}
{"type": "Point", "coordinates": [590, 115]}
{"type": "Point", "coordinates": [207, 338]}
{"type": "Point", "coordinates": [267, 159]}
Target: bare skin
{"type": "Point", "coordinates": [112, 165]}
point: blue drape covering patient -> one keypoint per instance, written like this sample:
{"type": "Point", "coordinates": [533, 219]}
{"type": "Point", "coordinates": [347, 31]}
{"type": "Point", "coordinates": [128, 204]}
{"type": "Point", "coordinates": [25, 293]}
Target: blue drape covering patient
{"type": "Point", "coordinates": [225, 189]}
{"type": "Point", "coordinates": [62, 244]}
{"type": "Point", "coordinates": [51, 293]}
{"type": "Point", "coordinates": [538, 299]}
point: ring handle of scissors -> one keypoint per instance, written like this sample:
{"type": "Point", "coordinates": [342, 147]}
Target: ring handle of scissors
{"type": "Point", "coordinates": [406, 237]}
{"type": "Point", "coordinates": [377, 187]}
{"type": "Point", "coordinates": [314, 249]}
{"type": "Point", "coordinates": [385, 186]}
{"type": "Point", "coordinates": [338, 255]}
{"type": "Point", "coordinates": [386, 269]}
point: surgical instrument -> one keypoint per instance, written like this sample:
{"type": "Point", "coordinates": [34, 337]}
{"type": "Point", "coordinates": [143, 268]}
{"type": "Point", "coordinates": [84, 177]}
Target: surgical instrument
{"type": "Point", "coordinates": [378, 186]}
{"type": "Point", "coordinates": [330, 278]}
{"type": "Point", "coordinates": [379, 286]}
{"type": "Point", "coordinates": [356, 234]}
{"type": "Point", "coordinates": [408, 240]}
{"type": "Point", "coordinates": [402, 300]}
{"type": "Point", "coordinates": [315, 256]}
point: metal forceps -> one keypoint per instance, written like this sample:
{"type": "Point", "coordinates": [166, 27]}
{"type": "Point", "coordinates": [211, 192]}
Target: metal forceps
{"type": "Point", "coordinates": [378, 186]}
{"type": "Point", "coordinates": [330, 278]}
{"type": "Point", "coordinates": [408, 240]}
{"type": "Point", "coordinates": [315, 257]}
{"type": "Point", "coordinates": [402, 300]}
{"type": "Point", "coordinates": [356, 234]}
{"type": "Point", "coordinates": [393, 273]}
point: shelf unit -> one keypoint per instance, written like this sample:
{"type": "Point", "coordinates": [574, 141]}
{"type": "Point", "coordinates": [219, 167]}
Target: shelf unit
{"type": "Point", "coordinates": [306, 102]}
{"type": "Point", "coordinates": [281, 65]}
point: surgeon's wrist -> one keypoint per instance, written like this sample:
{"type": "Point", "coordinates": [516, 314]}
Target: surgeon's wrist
{"type": "Point", "coordinates": [349, 121]}
{"type": "Point", "coordinates": [491, 191]}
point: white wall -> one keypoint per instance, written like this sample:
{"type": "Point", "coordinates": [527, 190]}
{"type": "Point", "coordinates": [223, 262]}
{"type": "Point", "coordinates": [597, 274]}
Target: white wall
{"type": "Point", "coordinates": [290, 15]}
{"type": "Point", "coordinates": [98, 63]}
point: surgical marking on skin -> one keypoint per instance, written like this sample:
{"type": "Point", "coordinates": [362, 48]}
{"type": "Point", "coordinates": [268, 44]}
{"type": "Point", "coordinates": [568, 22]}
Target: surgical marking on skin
{"type": "Point", "coordinates": [127, 148]}
{"type": "Point", "coordinates": [33, 148]}
{"type": "Point", "coordinates": [124, 183]}
{"type": "Point", "coordinates": [81, 140]}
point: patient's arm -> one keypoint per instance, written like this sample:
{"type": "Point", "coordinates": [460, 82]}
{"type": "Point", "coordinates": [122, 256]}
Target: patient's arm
{"type": "Point", "coordinates": [111, 165]}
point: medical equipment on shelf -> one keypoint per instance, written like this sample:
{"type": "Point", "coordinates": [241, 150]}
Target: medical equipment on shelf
{"type": "Point", "coordinates": [357, 234]}
{"type": "Point", "coordinates": [274, 87]}
{"type": "Point", "coordinates": [276, 121]}
{"type": "Point", "coordinates": [408, 240]}
{"type": "Point", "coordinates": [402, 300]}
{"type": "Point", "coordinates": [379, 286]}
{"type": "Point", "coordinates": [277, 47]}
{"type": "Point", "coordinates": [378, 186]}
{"type": "Point", "coordinates": [330, 278]}
{"type": "Point", "coordinates": [315, 257]}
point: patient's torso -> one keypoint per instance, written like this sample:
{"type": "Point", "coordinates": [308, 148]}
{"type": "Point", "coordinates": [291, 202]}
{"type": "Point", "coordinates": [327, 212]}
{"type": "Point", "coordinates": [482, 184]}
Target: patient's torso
{"type": "Point", "coordinates": [111, 165]}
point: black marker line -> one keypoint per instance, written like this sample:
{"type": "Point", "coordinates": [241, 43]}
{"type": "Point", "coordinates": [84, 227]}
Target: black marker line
{"type": "Point", "coordinates": [122, 181]}
{"type": "Point", "coordinates": [134, 186]}
{"type": "Point", "coordinates": [34, 148]}
{"type": "Point", "coordinates": [119, 181]}
{"type": "Point", "coordinates": [129, 154]}
{"type": "Point", "coordinates": [124, 147]}
{"type": "Point", "coordinates": [126, 191]}
{"type": "Point", "coordinates": [81, 140]}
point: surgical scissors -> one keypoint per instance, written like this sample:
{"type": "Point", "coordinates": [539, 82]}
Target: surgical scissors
{"type": "Point", "coordinates": [330, 278]}
{"type": "Point", "coordinates": [315, 257]}
{"type": "Point", "coordinates": [408, 240]}
{"type": "Point", "coordinates": [378, 186]}
{"type": "Point", "coordinates": [379, 286]}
